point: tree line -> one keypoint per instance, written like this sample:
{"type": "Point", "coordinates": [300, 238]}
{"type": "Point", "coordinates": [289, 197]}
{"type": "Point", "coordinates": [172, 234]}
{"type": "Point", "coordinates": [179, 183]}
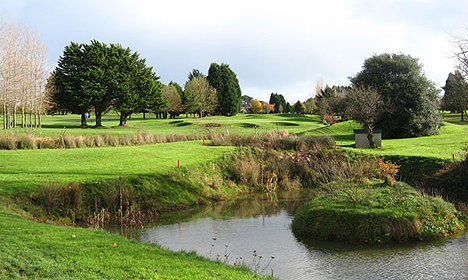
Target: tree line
{"type": "Point", "coordinates": [102, 77]}
{"type": "Point", "coordinates": [23, 73]}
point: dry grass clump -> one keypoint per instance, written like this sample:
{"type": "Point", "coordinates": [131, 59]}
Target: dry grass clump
{"type": "Point", "coordinates": [278, 140]}
{"type": "Point", "coordinates": [14, 142]}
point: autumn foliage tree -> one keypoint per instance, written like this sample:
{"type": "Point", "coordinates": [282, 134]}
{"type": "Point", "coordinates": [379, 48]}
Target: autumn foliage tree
{"type": "Point", "coordinates": [256, 106]}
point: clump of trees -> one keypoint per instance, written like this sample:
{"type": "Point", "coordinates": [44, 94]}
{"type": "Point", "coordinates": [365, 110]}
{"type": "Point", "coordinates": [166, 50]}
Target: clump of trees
{"type": "Point", "coordinates": [455, 98]}
{"type": "Point", "coordinates": [410, 100]}
{"type": "Point", "coordinates": [99, 76]}
{"type": "Point", "coordinates": [23, 75]}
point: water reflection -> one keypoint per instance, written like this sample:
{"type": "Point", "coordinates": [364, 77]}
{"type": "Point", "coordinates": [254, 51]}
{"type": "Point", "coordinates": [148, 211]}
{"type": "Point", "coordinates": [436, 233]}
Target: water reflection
{"type": "Point", "coordinates": [262, 224]}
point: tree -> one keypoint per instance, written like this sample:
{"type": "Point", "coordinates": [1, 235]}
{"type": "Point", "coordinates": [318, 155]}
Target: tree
{"type": "Point", "coordinates": [70, 80]}
{"type": "Point", "coordinates": [201, 97]}
{"type": "Point", "coordinates": [461, 54]}
{"type": "Point", "coordinates": [174, 101]}
{"type": "Point", "coordinates": [278, 100]}
{"type": "Point", "coordinates": [409, 97]}
{"type": "Point", "coordinates": [268, 108]}
{"type": "Point", "coordinates": [179, 89]}
{"type": "Point", "coordinates": [224, 80]}
{"type": "Point", "coordinates": [287, 108]}
{"type": "Point", "coordinates": [298, 107]}
{"type": "Point", "coordinates": [310, 105]}
{"type": "Point", "coordinates": [246, 100]}
{"type": "Point", "coordinates": [97, 76]}
{"type": "Point", "coordinates": [256, 106]}
{"type": "Point", "coordinates": [365, 106]}
{"type": "Point", "coordinates": [194, 74]}
{"type": "Point", "coordinates": [455, 98]}
{"type": "Point", "coordinates": [135, 87]}
{"type": "Point", "coordinates": [23, 74]}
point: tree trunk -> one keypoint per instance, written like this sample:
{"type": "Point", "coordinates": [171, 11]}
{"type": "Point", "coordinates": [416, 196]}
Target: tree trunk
{"type": "Point", "coordinates": [14, 116]}
{"type": "Point", "coordinates": [462, 115]}
{"type": "Point", "coordinates": [370, 135]}
{"type": "Point", "coordinates": [23, 117]}
{"type": "Point", "coordinates": [123, 119]}
{"type": "Point", "coordinates": [83, 120]}
{"type": "Point", "coordinates": [8, 120]}
{"type": "Point", "coordinates": [98, 118]}
{"type": "Point", "coordinates": [144, 115]}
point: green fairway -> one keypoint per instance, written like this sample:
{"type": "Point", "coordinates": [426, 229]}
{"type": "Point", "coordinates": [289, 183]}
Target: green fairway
{"type": "Point", "coordinates": [451, 140]}
{"type": "Point", "coordinates": [29, 169]}
{"type": "Point", "coordinates": [240, 124]}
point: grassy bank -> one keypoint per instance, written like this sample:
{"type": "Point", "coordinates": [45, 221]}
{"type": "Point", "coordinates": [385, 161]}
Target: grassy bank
{"type": "Point", "coordinates": [33, 250]}
{"type": "Point", "coordinates": [27, 170]}
{"type": "Point", "coordinates": [376, 213]}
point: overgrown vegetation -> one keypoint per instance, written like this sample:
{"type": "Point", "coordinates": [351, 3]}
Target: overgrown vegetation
{"type": "Point", "coordinates": [376, 212]}
{"type": "Point", "coordinates": [15, 141]}
{"type": "Point", "coordinates": [265, 166]}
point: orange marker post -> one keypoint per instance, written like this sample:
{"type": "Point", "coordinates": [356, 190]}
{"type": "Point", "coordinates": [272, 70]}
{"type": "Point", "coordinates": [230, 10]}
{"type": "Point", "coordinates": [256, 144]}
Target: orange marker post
{"type": "Point", "coordinates": [178, 163]}
{"type": "Point", "coordinates": [203, 142]}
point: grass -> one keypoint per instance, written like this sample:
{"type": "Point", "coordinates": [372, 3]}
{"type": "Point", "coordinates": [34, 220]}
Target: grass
{"type": "Point", "coordinates": [30, 254]}
{"type": "Point", "coordinates": [33, 250]}
{"type": "Point", "coordinates": [27, 170]}
{"type": "Point", "coordinates": [240, 124]}
{"type": "Point", "coordinates": [376, 213]}
{"type": "Point", "coordinates": [453, 137]}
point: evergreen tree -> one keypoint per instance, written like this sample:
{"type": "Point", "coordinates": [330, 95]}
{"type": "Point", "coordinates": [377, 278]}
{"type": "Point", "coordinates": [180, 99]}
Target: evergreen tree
{"type": "Point", "coordinates": [410, 99]}
{"type": "Point", "coordinates": [456, 94]}
{"type": "Point", "coordinates": [279, 101]}
{"type": "Point", "coordinates": [224, 80]}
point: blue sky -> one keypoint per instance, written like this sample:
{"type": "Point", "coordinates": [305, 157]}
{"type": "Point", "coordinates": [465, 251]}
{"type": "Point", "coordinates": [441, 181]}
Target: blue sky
{"type": "Point", "coordinates": [273, 46]}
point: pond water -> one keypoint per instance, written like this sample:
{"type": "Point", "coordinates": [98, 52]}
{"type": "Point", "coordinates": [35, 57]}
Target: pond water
{"type": "Point", "coordinates": [231, 231]}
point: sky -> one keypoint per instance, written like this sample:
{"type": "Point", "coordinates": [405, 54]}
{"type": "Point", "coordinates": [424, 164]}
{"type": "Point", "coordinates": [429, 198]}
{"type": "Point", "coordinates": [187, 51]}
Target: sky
{"type": "Point", "coordinates": [273, 46]}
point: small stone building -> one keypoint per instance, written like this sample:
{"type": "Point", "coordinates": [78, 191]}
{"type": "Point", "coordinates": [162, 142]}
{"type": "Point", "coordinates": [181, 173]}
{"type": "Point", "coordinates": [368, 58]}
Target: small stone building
{"type": "Point", "coordinates": [360, 137]}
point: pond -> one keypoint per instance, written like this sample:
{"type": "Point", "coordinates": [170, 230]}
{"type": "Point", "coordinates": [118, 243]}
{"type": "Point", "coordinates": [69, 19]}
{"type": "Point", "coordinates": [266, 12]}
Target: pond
{"type": "Point", "coordinates": [232, 230]}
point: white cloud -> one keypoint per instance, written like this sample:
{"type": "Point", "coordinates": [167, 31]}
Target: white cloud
{"type": "Point", "coordinates": [273, 46]}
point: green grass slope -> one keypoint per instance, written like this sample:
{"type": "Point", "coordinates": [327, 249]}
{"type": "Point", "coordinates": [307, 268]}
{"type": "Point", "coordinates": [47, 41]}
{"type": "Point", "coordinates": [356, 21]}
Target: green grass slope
{"type": "Point", "coordinates": [26, 170]}
{"type": "Point", "coordinates": [33, 250]}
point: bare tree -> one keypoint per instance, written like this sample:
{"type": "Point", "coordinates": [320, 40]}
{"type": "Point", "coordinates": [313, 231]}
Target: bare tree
{"type": "Point", "coordinates": [23, 71]}
{"type": "Point", "coordinates": [461, 53]}
{"type": "Point", "coordinates": [365, 106]}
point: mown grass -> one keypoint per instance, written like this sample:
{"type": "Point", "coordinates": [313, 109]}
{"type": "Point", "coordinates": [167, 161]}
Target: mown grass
{"type": "Point", "coordinates": [27, 170]}
{"type": "Point", "coordinates": [452, 138]}
{"type": "Point", "coordinates": [240, 124]}
{"type": "Point", "coordinates": [376, 213]}
{"type": "Point", "coordinates": [34, 250]}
